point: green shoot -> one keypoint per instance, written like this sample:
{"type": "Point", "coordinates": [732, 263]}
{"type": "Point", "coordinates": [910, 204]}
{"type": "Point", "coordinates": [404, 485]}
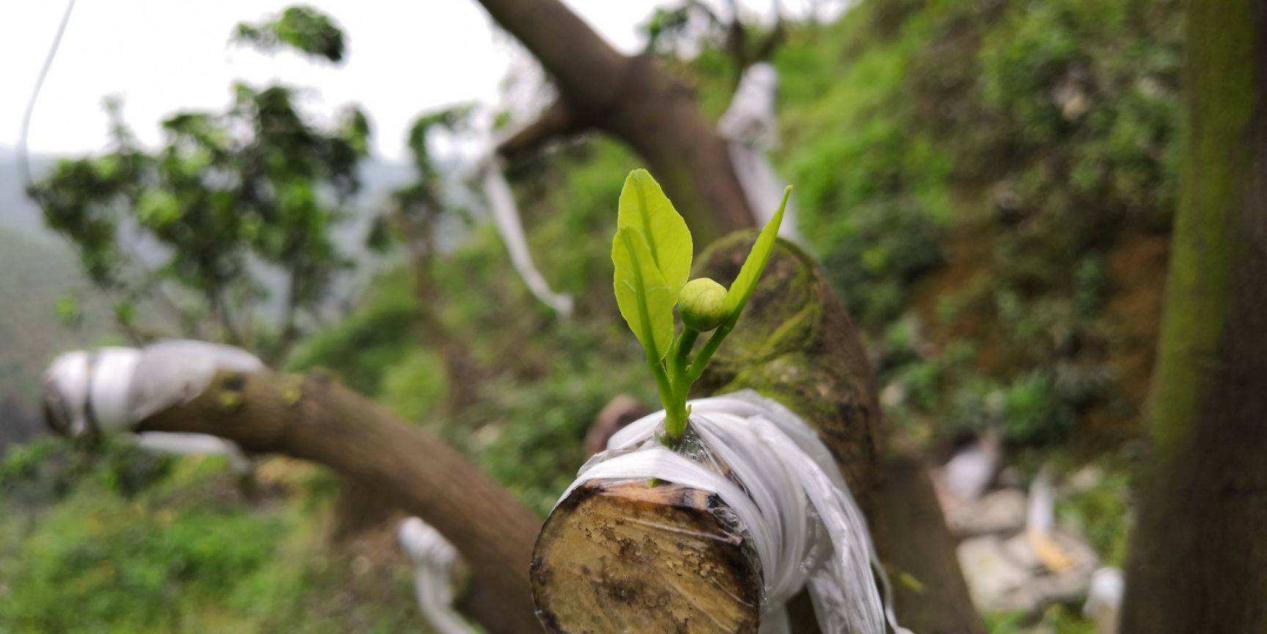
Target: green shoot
{"type": "Point", "coordinates": [652, 254]}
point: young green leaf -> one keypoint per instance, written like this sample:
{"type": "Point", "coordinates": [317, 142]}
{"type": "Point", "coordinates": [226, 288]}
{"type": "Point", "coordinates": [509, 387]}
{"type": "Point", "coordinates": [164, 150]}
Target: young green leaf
{"type": "Point", "coordinates": [645, 300]}
{"type": "Point", "coordinates": [746, 282]}
{"type": "Point", "coordinates": [646, 210]}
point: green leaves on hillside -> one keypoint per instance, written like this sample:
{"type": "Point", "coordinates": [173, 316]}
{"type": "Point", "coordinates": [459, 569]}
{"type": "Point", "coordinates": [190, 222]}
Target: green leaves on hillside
{"type": "Point", "coordinates": [652, 253]}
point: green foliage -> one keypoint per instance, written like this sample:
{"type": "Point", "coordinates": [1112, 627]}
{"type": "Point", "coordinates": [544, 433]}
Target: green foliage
{"type": "Point", "coordinates": [1102, 511]}
{"type": "Point", "coordinates": [531, 441]}
{"type": "Point", "coordinates": [368, 342]}
{"type": "Point", "coordinates": [257, 182]}
{"type": "Point", "coordinates": [416, 386]}
{"type": "Point", "coordinates": [183, 552]}
{"type": "Point", "coordinates": [745, 283]}
{"type": "Point", "coordinates": [647, 212]}
{"type": "Point", "coordinates": [995, 155]}
{"type": "Point", "coordinates": [652, 257]}
{"type": "Point", "coordinates": [646, 301]}
{"type": "Point", "coordinates": [1059, 618]}
{"type": "Point", "coordinates": [302, 28]}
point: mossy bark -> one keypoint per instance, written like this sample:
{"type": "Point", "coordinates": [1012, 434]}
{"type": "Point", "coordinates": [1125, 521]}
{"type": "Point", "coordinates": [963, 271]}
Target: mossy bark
{"type": "Point", "coordinates": [1199, 554]}
{"type": "Point", "coordinates": [796, 345]}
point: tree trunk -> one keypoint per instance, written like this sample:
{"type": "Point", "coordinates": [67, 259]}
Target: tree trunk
{"type": "Point", "coordinates": [316, 419]}
{"type": "Point", "coordinates": [627, 556]}
{"type": "Point", "coordinates": [1198, 561]}
{"type": "Point", "coordinates": [633, 99]}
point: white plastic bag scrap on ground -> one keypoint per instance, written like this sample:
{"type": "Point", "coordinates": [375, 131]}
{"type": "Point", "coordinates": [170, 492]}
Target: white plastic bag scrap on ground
{"type": "Point", "coordinates": [786, 493]}
{"type": "Point", "coordinates": [433, 558]}
{"type": "Point", "coordinates": [111, 389]}
{"type": "Point", "coordinates": [501, 203]}
{"type": "Point", "coordinates": [751, 127]}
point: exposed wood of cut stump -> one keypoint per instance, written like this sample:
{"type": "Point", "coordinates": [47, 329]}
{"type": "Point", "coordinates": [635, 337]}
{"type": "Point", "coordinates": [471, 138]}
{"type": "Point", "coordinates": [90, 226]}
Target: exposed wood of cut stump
{"type": "Point", "coordinates": [628, 557]}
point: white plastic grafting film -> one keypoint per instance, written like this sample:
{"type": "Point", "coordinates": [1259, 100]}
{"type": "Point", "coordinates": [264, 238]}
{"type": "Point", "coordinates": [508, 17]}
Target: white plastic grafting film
{"type": "Point", "coordinates": [175, 371]}
{"type": "Point", "coordinates": [183, 444]}
{"type": "Point", "coordinates": [112, 389]}
{"type": "Point", "coordinates": [505, 213]}
{"type": "Point", "coordinates": [91, 388]}
{"type": "Point", "coordinates": [433, 558]}
{"type": "Point", "coordinates": [66, 392]}
{"type": "Point", "coordinates": [751, 127]}
{"type": "Point", "coordinates": [117, 387]}
{"type": "Point", "coordinates": [786, 493]}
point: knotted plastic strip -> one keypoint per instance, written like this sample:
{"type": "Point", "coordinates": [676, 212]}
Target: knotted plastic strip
{"type": "Point", "coordinates": [434, 559]}
{"type": "Point", "coordinates": [501, 202]}
{"type": "Point", "coordinates": [787, 495]}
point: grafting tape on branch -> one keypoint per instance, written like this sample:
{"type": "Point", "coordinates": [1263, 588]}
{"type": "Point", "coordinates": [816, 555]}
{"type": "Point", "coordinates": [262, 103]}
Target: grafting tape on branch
{"type": "Point", "coordinates": [750, 127]}
{"type": "Point", "coordinates": [505, 215]}
{"type": "Point", "coordinates": [111, 389]}
{"type": "Point", "coordinates": [788, 499]}
{"type": "Point", "coordinates": [434, 560]}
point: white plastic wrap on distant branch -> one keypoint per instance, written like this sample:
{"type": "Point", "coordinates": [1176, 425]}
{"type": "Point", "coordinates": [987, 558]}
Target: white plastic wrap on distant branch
{"type": "Point", "coordinates": [505, 213]}
{"type": "Point", "coordinates": [787, 495]}
{"type": "Point", "coordinates": [182, 444]}
{"type": "Point", "coordinates": [433, 558]}
{"type": "Point", "coordinates": [112, 389]}
{"type": "Point", "coordinates": [751, 128]}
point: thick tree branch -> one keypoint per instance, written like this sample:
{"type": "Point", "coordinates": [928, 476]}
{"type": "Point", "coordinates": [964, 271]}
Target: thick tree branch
{"type": "Point", "coordinates": [587, 69]}
{"type": "Point", "coordinates": [1198, 560]}
{"type": "Point", "coordinates": [637, 101]}
{"type": "Point", "coordinates": [315, 418]}
{"type": "Point", "coordinates": [557, 121]}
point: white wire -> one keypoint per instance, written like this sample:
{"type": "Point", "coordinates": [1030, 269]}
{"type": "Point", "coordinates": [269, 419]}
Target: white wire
{"type": "Point", "coordinates": [23, 156]}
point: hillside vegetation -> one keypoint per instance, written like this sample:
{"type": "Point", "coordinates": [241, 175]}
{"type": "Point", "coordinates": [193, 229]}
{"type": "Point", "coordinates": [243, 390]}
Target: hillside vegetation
{"type": "Point", "coordinates": [988, 184]}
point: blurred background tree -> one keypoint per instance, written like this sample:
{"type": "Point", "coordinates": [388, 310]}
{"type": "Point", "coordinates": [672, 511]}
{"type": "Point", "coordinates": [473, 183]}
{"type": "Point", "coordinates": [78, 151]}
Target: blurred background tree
{"type": "Point", "coordinates": [229, 199]}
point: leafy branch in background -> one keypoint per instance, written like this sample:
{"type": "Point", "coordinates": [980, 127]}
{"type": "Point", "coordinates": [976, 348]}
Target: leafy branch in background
{"type": "Point", "coordinates": [228, 226]}
{"type": "Point", "coordinates": [652, 253]}
{"type": "Point", "coordinates": [301, 28]}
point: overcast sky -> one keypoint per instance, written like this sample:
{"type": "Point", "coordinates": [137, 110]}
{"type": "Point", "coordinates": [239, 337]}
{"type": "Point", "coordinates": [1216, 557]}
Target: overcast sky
{"type": "Point", "coordinates": [403, 58]}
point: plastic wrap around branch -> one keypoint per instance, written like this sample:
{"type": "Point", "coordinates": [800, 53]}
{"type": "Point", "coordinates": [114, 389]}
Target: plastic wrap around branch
{"type": "Point", "coordinates": [505, 215]}
{"type": "Point", "coordinates": [434, 559]}
{"type": "Point", "coordinates": [786, 493]}
{"type": "Point", "coordinates": [751, 128]}
{"type": "Point", "coordinates": [111, 389]}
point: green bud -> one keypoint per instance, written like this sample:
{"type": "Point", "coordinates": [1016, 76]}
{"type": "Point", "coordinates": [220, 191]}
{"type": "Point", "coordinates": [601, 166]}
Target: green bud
{"type": "Point", "coordinates": [702, 304]}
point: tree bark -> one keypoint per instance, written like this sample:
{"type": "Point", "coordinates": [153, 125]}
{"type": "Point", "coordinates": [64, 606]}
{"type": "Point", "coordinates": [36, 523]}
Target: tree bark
{"type": "Point", "coordinates": [615, 555]}
{"type": "Point", "coordinates": [1199, 554]}
{"type": "Point", "coordinates": [316, 419]}
{"type": "Point", "coordinates": [635, 100]}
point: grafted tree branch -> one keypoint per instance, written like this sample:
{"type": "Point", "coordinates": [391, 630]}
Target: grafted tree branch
{"type": "Point", "coordinates": [626, 556]}
{"type": "Point", "coordinates": [315, 418]}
